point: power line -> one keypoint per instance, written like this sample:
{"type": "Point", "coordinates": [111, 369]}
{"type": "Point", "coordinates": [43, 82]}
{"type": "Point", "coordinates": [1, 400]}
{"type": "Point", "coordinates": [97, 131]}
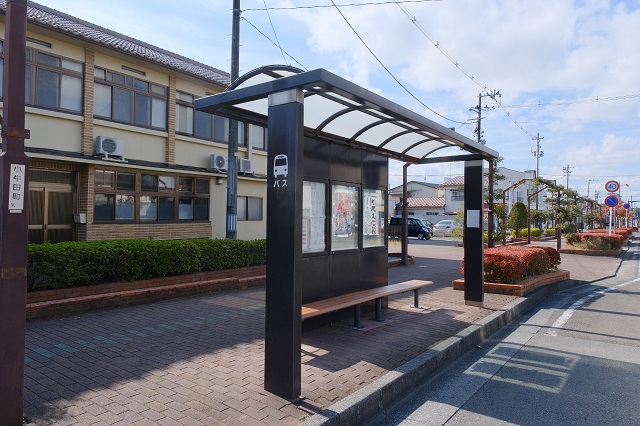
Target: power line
{"type": "Point", "coordinates": [274, 32]}
{"type": "Point", "coordinates": [324, 6]}
{"type": "Point", "coordinates": [274, 43]}
{"type": "Point", "coordinates": [389, 72]}
{"type": "Point", "coordinates": [577, 101]}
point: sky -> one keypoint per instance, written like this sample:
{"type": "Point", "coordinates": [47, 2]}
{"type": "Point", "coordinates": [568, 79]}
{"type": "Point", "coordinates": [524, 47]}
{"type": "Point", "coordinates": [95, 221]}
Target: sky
{"type": "Point", "coordinates": [565, 70]}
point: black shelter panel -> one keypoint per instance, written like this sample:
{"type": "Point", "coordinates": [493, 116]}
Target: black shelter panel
{"type": "Point", "coordinates": [374, 268]}
{"type": "Point", "coordinates": [315, 278]}
{"type": "Point", "coordinates": [317, 158]}
{"type": "Point", "coordinates": [346, 163]}
{"type": "Point", "coordinates": [375, 170]}
{"type": "Point", "coordinates": [345, 274]}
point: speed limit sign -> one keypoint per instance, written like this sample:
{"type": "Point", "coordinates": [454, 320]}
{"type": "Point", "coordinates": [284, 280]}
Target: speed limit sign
{"type": "Point", "coordinates": [612, 186]}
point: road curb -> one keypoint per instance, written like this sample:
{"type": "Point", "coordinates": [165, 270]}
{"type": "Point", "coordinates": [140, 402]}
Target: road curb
{"type": "Point", "coordinates": [362, 405]}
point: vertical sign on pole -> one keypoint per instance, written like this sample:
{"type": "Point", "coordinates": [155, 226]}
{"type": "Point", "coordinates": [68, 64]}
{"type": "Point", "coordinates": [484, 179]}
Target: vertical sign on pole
{"type": "Point", "coordinates": [283, 316]}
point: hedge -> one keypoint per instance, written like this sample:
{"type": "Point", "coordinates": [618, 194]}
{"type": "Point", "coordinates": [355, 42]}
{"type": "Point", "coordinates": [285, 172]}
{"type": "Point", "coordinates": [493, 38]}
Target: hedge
{"type": "Point", "coordinates": [535, 233]}
{"type": "Point", "coordinates": [511, 264]}
{"type": "Point", "coordinates": [75, 264]}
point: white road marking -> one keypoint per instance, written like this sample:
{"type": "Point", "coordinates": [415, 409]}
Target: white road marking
{"type": "Point", "coordinates": [562, 320]}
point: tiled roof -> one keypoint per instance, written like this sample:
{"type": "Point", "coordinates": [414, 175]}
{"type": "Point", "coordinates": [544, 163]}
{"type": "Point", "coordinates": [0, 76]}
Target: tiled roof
{"type": "Point", "coordinates": [67, 24]}
{"type": "Point", "coordinates": [456, 181]}
{"type": "Point", "coordinates": [426, 202]}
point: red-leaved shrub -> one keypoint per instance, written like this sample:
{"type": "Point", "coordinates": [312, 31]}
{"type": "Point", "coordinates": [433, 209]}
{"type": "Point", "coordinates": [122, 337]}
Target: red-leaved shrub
{"type": "Point", "coordinates": [510, 264]}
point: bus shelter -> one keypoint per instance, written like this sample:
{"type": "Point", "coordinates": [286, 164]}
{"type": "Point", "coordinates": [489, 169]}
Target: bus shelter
{"type": "Point", "coordinates": [329, 145]}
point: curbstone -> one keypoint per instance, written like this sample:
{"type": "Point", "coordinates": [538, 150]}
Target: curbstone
{"type": "Point", "coordinates": [362, 405]}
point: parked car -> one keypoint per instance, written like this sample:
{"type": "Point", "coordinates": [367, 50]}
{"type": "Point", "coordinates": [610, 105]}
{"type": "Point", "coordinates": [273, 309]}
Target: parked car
{"type": "Point", "coordinates": [444, 228]}
{"type": "Point", "coordinates": [417, 227]}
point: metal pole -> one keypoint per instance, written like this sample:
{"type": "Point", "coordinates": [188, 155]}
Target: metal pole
{"type": "Point", "coordinates": [529, 216]}
{"type": "Point", "coordinates": [405, 217]}
{"type": "Point", "coordinates": [479, 135]}
{"type": "Point", "coordinates": [232, 152]}
{"type": "Point", "coordinates": [14, 172]}
{"type": "Point", "coordinates": [490, 230]}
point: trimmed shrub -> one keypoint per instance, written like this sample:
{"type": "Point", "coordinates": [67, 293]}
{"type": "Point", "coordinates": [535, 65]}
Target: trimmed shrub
{"type": "Point", "coordinates": [510, 264]}
{"type": "Point", "coordinates": [535, 233]}
{"type": "Point", "coordinates": [75, 264]}
{"type": "Point", "coordinates": [573, 239]}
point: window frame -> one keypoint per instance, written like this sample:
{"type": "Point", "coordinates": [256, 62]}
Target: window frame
{"type": "Point", "coordinates": [154, 194]}
{"type": "Point", "coordinates": [33, 88]}
{"type": "Point", "coordinates": [247, 217]}
{"type": "Point", "coordinates": [130, 110]}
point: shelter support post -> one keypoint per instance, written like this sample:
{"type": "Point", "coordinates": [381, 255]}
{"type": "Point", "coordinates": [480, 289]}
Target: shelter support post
{"type": "Point", "coordinates": [283, 321]}
{"type": "Point", "coordinates": [473, 233]}
{"type": "Point", "coordinates": [404, 241]}
{"type": "Point", "coordinates": [14, 173]}
{"type": "Point", "coordinates": [490, 213]}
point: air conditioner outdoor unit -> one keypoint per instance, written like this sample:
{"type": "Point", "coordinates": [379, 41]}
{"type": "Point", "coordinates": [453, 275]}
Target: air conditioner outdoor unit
{"type": "Point", "coordinates": [111, 148]}
{"type": "Point", "coordinates": [218, 162]}
{"type": "Point", "coordinates": [245, 166]}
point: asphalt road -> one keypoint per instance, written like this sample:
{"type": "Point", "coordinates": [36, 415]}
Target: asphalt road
{"type": "Point", "coordinates": [572, 360]}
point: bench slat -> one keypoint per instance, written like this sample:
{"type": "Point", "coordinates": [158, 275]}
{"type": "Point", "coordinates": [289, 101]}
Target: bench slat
{"type": "Point", "coordinates": [342, 301]}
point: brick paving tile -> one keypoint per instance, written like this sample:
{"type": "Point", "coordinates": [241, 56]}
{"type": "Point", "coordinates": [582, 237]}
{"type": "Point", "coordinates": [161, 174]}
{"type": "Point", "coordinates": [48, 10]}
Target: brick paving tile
{"type": "Point", "coordinates": [200, 360]}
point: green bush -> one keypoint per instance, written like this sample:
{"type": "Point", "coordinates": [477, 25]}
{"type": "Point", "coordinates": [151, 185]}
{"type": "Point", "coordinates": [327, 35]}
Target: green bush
{"type": "Point", "coordinates": [573, 239]}
{"type": "Point", "coordinates": [569, 228]}
{"type": "Point", "coordinates": [74, 264]}
{"type": "Point", "coordinates": [535, 233]}
{"type": "Point", "coordinates": [550, 231]}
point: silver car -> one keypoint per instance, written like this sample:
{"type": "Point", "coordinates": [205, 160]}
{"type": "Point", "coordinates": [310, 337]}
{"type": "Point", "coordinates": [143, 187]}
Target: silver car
{"type": "Point", "coordinates": [444, 228]}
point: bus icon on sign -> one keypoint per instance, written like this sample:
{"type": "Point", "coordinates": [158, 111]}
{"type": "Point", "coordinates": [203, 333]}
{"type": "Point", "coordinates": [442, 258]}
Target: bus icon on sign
{"type": "Point", "coordinates": [280, 166]}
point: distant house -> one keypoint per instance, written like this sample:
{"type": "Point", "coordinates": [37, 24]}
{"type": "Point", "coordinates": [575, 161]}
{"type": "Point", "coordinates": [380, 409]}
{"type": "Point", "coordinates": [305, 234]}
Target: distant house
{"type": "Point", "coordinates": [453, 189]}
{"type": "Point", "coordinates": [415, 189]}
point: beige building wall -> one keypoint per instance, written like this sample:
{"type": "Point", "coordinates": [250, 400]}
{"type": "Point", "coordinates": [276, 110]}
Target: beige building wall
{"type": "Point", "coordinates": [173, 154]}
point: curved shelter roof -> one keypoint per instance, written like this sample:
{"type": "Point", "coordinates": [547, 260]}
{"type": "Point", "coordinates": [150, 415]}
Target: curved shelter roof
{"type": "Point", "coordinates": [340, 111]}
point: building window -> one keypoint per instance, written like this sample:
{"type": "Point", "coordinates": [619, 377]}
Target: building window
{"type": "Point", "coordinates": [203, 125]}
{"type": "Point", "coordinates": [249, 208]}
{"type": "Point", "coordinates": [457, 195]}
{"type": "Point", "coordinates": [142, 197]}
{"type": "Point", "coordinates": [52, 82]}
{"type": "Point", "coordinates": [127, 99]}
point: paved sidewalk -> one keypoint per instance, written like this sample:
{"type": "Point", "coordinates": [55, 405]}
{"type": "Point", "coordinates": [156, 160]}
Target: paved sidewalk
{"type": "Point", "coordinates": [199, 360]}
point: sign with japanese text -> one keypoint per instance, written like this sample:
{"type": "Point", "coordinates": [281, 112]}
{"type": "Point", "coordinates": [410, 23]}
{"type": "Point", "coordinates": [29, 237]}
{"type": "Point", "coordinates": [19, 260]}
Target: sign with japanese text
{"type": "Point", "coordinates": [16, 188]}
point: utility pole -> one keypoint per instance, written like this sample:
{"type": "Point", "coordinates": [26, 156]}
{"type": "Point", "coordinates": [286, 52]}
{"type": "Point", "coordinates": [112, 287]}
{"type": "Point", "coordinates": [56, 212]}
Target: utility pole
{"type": "Point", "coordinates": [478, 109]}
{"type": "Point", "coordinates": [567, 170]}
{"type": "Point", "coordinates": [232, 153]}
{"type": "Point", "coordinates": [14, 217]}
{"type": "Point", "coordinates": [588, 186]}
{"type": "Point", "coordinates": [537, 153]}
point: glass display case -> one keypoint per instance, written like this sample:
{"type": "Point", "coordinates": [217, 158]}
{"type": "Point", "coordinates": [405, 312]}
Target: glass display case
{"type": "Point", "coordinates": [373, 218]}
{"type": "Point", "coordinates": [314, 207]}
{"type": "Point", "coordinates": [344, 217]}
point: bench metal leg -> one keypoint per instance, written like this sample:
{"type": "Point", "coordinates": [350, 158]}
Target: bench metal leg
{"type": "Point", "coordinates": [379, 309]}
{"type": "Point", "coordinates": [356, 316]}
{"type": "Point", "coordinates": [416, 303]}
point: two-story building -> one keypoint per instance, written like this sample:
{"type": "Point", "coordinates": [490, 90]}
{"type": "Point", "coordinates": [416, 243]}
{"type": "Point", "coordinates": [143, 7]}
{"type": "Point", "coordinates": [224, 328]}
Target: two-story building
{"type": "Point", "coordinates": [117, 149]}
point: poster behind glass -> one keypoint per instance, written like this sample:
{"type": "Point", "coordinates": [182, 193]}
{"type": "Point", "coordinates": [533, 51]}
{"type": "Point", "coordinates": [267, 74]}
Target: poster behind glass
{"type": "Point", "coordinates": [344, 217]}
{"type": "Point", "coordinates": [313, 217]}
{"type": "Point", "coordinates": [373, 218]}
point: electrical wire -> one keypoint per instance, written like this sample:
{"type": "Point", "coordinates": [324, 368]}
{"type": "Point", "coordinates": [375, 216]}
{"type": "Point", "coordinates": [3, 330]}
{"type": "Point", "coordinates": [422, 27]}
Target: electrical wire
{"type": "Point", "coordinates": [274, 43]}
{"type": "Point", "coordinates": [389, 71]}
{"type": "Point", "coordinates": [274, 32]}
{"type": "Point", "coordinates": [341, 5]}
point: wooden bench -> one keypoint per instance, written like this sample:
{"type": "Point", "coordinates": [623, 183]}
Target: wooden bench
{"type": "Point", "coordinates": [357, 298]}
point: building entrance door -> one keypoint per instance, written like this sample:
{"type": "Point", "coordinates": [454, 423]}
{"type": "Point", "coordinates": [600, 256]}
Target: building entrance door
{"type": "Point", "coordinates": [51, 208]}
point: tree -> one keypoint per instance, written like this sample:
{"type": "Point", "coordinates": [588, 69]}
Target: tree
{"type": "Point", "coordinates": [517, 217]}
{"type": "Point", "coordinates": [498, 212]}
